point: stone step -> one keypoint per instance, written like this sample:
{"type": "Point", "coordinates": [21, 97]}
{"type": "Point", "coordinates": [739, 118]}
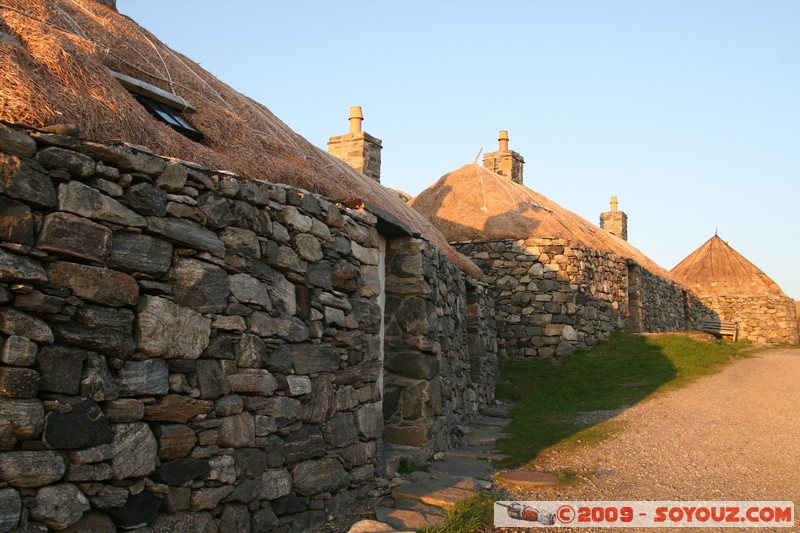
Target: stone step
{"type": "Point", "coordinates": [484, 436]}
{"type": "Point", "coordinates": [373, 526]}
{"type": "Point", "coordinates": [410, 515]}
{"type": "Point", "coordinates": [464, 466]}
{"type": "Point", "coordinates": [493, 421]}
{"type": "Point", "coordinates": [396, 453]}
{"type": "Point", "coordinates": [499, 412]}
{"type": "Point", "coordinates": [478, 451]}
{"type": "Point", "coordinates": [444, 491]}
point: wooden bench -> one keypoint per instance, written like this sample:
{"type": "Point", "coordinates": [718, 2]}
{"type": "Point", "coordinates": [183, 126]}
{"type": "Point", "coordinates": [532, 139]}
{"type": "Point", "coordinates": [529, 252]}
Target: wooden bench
{"type": "Point", "coordinates": [721, 328]}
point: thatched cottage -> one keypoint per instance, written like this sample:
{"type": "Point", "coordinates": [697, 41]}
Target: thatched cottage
{"type": "Point", "coordinates": [738, 291]}
{"type": "Point", "coordinates": [195, 349]}
{"type": "Point", "coordinates": [560, 283]}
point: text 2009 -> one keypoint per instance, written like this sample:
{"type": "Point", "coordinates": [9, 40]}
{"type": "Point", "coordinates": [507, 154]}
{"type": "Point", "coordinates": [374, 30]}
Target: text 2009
{"type": "Point", "coordinates": [604, 514]}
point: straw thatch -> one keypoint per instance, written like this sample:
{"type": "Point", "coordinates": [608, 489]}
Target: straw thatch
{"type": "Point", "coordinates": [474, 203]}
{"type": "Point", "coordinates": [54, 61]}
{"type": "Point", "coordinates": [717, 269]}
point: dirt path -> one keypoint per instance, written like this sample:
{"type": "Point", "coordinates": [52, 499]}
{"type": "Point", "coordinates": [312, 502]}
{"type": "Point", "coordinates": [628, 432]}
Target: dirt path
{"type": "Point", "coordinates": [730, 436]}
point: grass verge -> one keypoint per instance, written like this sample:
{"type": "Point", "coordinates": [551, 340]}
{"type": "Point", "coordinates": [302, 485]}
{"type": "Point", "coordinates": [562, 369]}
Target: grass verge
{"type": "Point", "coordinates": [473, 514]}
{"type": "Point", "coordinates": [564, 400]}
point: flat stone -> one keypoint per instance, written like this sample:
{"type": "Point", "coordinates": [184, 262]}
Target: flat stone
{"type": "Point", "coordinates": [77, 198]}
{"type": "Point", "coordinates": [139, 253]}
{"type": "Point", "coordinates": [89, 473]}
{"type": "Point", "coordinates": [177, 409]}
{"type": "Point", "coordinates": [20, 420]}
{"type": "Point", "coordinates": [464, 467]}
{"type": "Point", "coordinates": [173, 178]}
{"type": "Point", "coordinates": [101, 285]}
{"type": "Point", "coordinates": [411, 515]}
{"type": "Point", "coordinates": [175, 441]}
{"type": "Point", "coordinates": [83, 331]}
{"type": "Point", "coordinates": [75, 163]}
{"type": "Point", "coordinates": [250, 351]}
{"type": "Point", "coordinates": [108, 497]}
{"type": "Point", "coordinates": [16, 143]}
{"type": "Point", "coordinates": [526, 479]}
{"type": "Point", "coordinates": [124, 410]}
{"type": "Point", "coordinates": [59, 506]}
{"type": "Point", "coordinates": [143, 378]}
{"type": "Point", "coordinates": [187, 233]}
{"type": "Point", "coordinates": [10, 508]}
{"type": "Point", "coordinates": [28, 469]}
{"type": "Point", "coordinates": [193, 522]}
{"type": "Point", "coordinates": [237, 431]}
{"type": "Point", "coordinates": [135, 450]}
{"type": "Point", "coordinates": [435, 492]}
{"type": "Point", "coordinates": [298, 385]}
{"type": "Point", "coordinates": [209, 497]}
{"type": "Point", "coordinates": [18, 382]}
{"type": "Point", "coordinates": [125, 158]}
{"type": "Point", "coordinates": [304, 444]}
{"type": "Point", "coordinates": [84, 426]}
{"type": "Point", "coordinates": [181, 470]}
{"type": "Point", "coordinates": [74, 236]}
{"type": "Point", "coordinates": [371, 526]}
{"type": "Point", "coordinates": [275, 484]}
{"type": "Point", "coordinates": [497, 412]}
{"type": "Point", "coordinates": [316, 476]}
{"type": "Point", "coordinates": [217, 210]}
{"type": "Point", "coordinates": [18, 269]}
{"type": "Point", "coordinates": [291, 329]}
{"type": "Point", "coordinates": [13, 322]}
{"type": "Point", "coordinates": [139, 510]}
{"type": "Point", "coordinates": [312, 358]}
{"type": "Point", "coordinates": [97, 382]}
{"type": "Point", "coordinates": [492, 421]}
{"type": "Point", "coordinates": [16, 222]}
{"type": "Point", "coordinates": [18, 351]}
{"type": "Point", "coordinates": [369, 421]}
{"type": "Point", "coordinates": [167, 330]}
{"type": "Point", "coordinates": [253, 381]}
{"type": "Point", "coordinates": [61, 369]}
{"type": "Point", "coordinates": [25, 181]}
{"type": "Point", "coordinates": [200, 286]}
{"type": "Point", "coordinates": [93, 521]}
{"type": "Point", "coordinates": [247, 289]}
{"type": "Point", "coordinates": [94, 454]}
{"type": "Point", "coordinates": [211, 381]}
{"type": "Point", "coordinates": [484, 436]}
{"type": "Point", "coordinates": [146, 199]}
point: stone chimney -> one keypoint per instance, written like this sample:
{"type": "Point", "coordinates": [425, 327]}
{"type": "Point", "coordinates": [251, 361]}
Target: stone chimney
{"type": "Point", "coordinates": [358, 149]}
{"type": "Point", "coordinates": [615, 222]}
{"type": "Point", "coordinates": [505, 162]}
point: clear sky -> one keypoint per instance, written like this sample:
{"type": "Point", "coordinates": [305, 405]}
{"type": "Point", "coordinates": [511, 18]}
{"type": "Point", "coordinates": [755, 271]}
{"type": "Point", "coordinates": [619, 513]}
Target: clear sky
{"type": "Point", "coordinates": [687, 110]}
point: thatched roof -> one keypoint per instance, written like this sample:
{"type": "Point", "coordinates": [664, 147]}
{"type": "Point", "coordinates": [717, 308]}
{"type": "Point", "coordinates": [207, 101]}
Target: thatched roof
{"type": "Point", "coordinates": [474, 203]}
{"type": "Point", "coordinates": [717, 269]}
{"type": "Point", "coordinates": [54, 61]}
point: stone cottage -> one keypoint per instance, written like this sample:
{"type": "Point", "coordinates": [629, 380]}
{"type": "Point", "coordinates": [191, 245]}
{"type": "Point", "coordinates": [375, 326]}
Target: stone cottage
{"type": "Point", "coordinates": [738, 291]}
{"type": "Point", "coordinates": [560, 283]}
{"type": "Point", "coordinates": [193, 349]}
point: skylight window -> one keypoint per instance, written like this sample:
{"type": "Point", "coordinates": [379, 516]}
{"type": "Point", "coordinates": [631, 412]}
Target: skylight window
{"type": "Point", "coordinates": [171, 116]}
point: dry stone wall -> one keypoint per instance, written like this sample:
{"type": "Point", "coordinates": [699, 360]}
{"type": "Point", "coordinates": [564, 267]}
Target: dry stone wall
{"type": "Point", "coordinates": [189, 351]}
{"type": "Point", "coordinates": [553, 297]}
{"type": "Point", "coordinates": [767, 319]}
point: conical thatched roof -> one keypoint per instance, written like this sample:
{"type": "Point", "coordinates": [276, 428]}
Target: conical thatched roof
{"type": "Point", "coordinates": [717, 269]}
{"type": "Point", "coordinates": [54, 61]}
{"type": "Point", "coordinates": [474, 203]}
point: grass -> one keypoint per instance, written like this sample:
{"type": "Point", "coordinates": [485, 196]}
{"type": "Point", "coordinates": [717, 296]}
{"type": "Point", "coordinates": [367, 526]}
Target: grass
{"type": "Point", "coordinates": [473, 514]}
{"type": "Point", "coordinates": [548, 395]}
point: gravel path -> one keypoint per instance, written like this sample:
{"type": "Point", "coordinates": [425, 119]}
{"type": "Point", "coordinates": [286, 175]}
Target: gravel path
{"type": "Point", "coordinates": [734, 435]}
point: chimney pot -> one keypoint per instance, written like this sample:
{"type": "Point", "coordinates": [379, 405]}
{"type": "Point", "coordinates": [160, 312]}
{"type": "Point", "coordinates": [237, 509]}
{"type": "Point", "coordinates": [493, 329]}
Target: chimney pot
{"type": "Point", "coordinates": [356, 116]}
{"type": "Point", "coordinates": [503, 140]}
{"type": "Point", "coordinates": [614, 203]}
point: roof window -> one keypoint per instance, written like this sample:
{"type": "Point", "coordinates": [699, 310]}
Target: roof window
{"type": "Point", "coordinates": [164, 106]}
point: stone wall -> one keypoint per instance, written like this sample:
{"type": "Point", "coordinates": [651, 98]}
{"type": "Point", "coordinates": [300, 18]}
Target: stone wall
{"type": "Point", "coordinates": [768, 319]}
{"type": "Point", "coordinates": [440, 351]}
{"type": "Point", "coordinates": [190, 350]}
{"type": "Point", "coordinates": [553, 297]}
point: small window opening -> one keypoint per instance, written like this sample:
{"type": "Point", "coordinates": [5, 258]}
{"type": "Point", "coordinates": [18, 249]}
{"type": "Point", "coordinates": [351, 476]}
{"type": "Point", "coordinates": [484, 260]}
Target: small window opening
{"type": "Point", "coordinates": [170, 116]}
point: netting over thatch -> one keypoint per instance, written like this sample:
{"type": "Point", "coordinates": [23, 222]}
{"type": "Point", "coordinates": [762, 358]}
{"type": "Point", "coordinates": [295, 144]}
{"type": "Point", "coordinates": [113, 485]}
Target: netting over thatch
{"type": "Point", "coordinates": [717, 269]}
{"type": "Point", "coordinates": [474, 203]}
{"type": "Point", "coordinates": [54, 61]}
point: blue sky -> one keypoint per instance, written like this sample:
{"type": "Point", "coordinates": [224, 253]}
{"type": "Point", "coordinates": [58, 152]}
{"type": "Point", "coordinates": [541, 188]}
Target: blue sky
{"type": "Point", "coordinates": [687, 110]}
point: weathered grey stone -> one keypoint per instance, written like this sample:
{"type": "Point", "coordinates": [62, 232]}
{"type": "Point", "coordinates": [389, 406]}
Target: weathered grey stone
{"type": "Point", "coordinates": [18, 382]}
{"type": "Point", "coordinates": [229, 323]}
{"type": "Point", "coordinates": [59, 506]}
{"type": "Point", "coordinates": [84, 473]}
{"type": "Point", "coordinates": [31, 469]}
{"type": "Point", "coordinates": [94, 454]}
{"type": "Point", "coordinates": [176, 408]}
{"type": "Point", "coordinates": [345, 276]}
{"type": "Point", "coordinates": [291, 329]}
{"type": "Point", "coordinates": [413, 365]}
{"type": "Point", "coordinates": [139, 253]}
{"type": "Point", "coordinates": [175, 441]}
{"type": "Point", "coordinates": [13, 322]}
{"type": "Point", "coordinates": [283, 410]}
{"type": "Point", "coordinates": [209, 497]}
{"type": "Point", "coordinates": [250, 351]}
{"type": "Point", "coordinates": [109, 340]}
{"type": "Point", "coordinates": [237, 431]}
{"type": "Point", "coordinates": [20, 420]}
{"type": "Point", "coordinates": [253, 381]}
{"type": "Point", "coordinates": [24, 181]}
{"type": "Point", "coordinates": [139, 510]}
{"type": "Point", "coordinates": [61, 369]}
{"type": "Point", "coordinates": [340, 431]}
{"type": "Point", "coordinates": [187, 233]}
{"type": "Point", "coordinates": [10, 507]}
{"type": "Point", "coordinates": [141, 378]}
{"type": "Point", "coordinates": [75, 197]}
{"type": "Point", "coordinates": [177, 499]}
{"type": "Point", "coordinates": [211, 381]}
{"type": "Point", "coordinates": [16, 143]}
{"type": "Point", "coordinates": [97, 382]}
{"type": "Point", "coordinates": [200, 286]}
{"type": "Point", "coordinates": [173, 178]}
{"type": "Point", "coordinates": [298, 385]}
{"type": "Point", "coordinates": [75, 163]}
{"type": "Point", "coordinates": [235, 519]}
{"type": "Point", "coordinates": [68, 234]}
{"type": "Point", "coordinates": [19, 351]}
{"type": "Point", "coordinates": [180, 471]}
{"type": "Point", "coordinates": [100, 285]}
{"type": "Point", "coordinates": [320, 406]}
{"type": "Point", "coordinates": [146, 199]}
{"type": "Point", "coordinates": [18, 269]}
{"type": "Point", "coordinates": [249, 462]}
{"type": "Point", "coordinates": [316, 476]}
{"type": "Point", "coordinates": [304, 444]}
{"type": "Point", "coordinates": [82, 427]}
{"type": "Point", "coordinates": [93, 521]}
{"type": "Point", "coordinates": [247, 289]}
{"type": "Point", "coordinates": [240, 241]}
{"type": "Point", "coordinates": [125, 158]}
{"type": "Point", "coordinates": [193, 522]}
{"type": "Point", "coordinates": [369, 419]}
{"type": "Point", "coordinates": [16, 222]}
{"type": "Point", "coordinates": [284, 294]}
{"type": "Point", "coordinates": [217, 210]}
{"type": "Point", "coordinates": [275, 484]}
{"type": "Point", "coordinates": [135, 450]}
{"type": "Point", "coordinates": [279, 360]}
{"type": "Point", "coordinates": [124, 410]}
{"type": "Point", "coordinates": [228, 405]}
{"type": "Point", "coordinates": [262, 324]}
{"type": "Point", "coordinates": [311, 358]}
{"type": "Point", "coordinates": [109, 497]}
{"type": "Point", "coordinates": [167, 330]}
{"type": "Point", "coordinates": [308, 247]}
